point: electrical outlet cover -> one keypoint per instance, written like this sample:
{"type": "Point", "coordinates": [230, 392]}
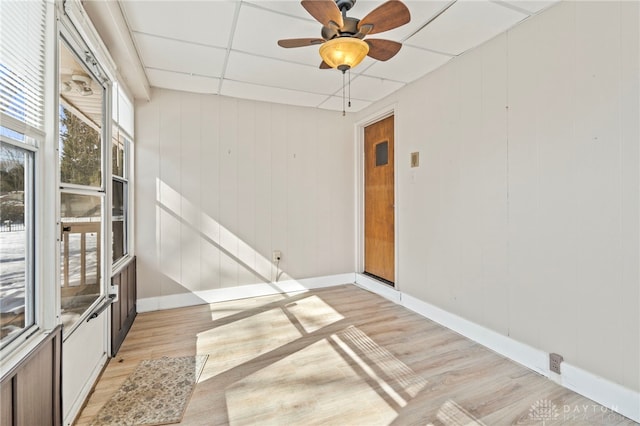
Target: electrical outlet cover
{"type": "Point", "coordinates": [554, 362]}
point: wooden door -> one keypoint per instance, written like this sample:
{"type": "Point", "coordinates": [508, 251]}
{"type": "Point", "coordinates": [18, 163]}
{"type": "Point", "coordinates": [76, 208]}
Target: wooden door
{"type": "Point", "coordinates": [379, 220]}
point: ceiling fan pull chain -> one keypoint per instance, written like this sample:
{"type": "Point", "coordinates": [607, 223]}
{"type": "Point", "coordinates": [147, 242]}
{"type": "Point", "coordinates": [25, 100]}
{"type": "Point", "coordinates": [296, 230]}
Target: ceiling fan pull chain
{"type": "Point", "coordinates": [343, 109]}
{"type": "Point", "coordinates": [349, 104]}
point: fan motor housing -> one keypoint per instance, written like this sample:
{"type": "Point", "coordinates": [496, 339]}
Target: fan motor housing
{"type": "Point", "coordinates": [350, 26]}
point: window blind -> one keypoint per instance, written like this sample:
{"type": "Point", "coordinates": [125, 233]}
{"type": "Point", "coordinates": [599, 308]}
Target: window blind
{"type": "Point", "coordinates": [22, 65]}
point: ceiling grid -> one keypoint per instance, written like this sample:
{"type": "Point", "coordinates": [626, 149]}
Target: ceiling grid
{"type": "Point", "coordinates": [229, 47]}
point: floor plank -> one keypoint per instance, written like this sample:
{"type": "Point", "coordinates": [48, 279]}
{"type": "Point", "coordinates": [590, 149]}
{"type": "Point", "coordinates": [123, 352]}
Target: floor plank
{"type": "Point", "coordinates": [339, 356]}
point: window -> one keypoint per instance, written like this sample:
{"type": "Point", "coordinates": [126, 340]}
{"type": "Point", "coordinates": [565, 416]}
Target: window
{"type": "Point", "coordinates": [16, 241]}
{"type": "Point", "coordinates": [81, 118]}
{"type": "Point", "coordinates": [119, 195]}
{"type": "Point", "coordinates": [118, 217]}
{"type": "Point", "coordinates": [22, 93]}
{"type": "Point", "coordinates": [120, 157]}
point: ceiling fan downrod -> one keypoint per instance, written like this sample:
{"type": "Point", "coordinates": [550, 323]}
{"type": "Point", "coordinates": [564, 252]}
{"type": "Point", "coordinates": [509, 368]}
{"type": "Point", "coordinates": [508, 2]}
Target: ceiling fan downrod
{"type": "Point", "coordinates": [345, 5]}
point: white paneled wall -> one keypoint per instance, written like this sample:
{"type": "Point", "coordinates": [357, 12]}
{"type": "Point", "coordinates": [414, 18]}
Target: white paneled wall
{"type": "Point", "coordinates": [221, 183]}
{"type": "Point", "coordinates": [523, 215]}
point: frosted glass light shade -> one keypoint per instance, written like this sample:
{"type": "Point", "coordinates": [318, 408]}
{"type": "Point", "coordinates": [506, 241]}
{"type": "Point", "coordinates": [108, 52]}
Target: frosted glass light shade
{"type": "Point", "coordinates": [344, 53]}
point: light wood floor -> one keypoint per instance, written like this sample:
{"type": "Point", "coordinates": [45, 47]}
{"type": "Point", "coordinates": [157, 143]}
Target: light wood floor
{"type": "Point", "coordinates": [340, 356]}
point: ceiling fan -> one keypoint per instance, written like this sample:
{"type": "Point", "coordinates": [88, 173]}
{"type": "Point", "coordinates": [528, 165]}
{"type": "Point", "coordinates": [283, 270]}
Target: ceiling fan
{"type": "Point", "coordinates": [342, 45]}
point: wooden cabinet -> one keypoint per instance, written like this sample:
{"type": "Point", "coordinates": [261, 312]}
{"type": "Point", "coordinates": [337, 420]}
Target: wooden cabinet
{"type": "Point", "coordinates": [123, 312]}
{"type": "Point", "coordinates": [31, 392]}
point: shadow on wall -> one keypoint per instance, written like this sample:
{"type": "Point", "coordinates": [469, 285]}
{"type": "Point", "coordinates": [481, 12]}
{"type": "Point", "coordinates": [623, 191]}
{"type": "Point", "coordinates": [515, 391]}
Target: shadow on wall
{"type": "Point", "coordinates": [194, 250]}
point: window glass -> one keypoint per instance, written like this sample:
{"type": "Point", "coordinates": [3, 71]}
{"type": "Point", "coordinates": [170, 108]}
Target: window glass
{"type": "Point", "coordinates": [118, 227]}
{"type": "Point", "coordinates": [11, 134]}
{"type": "Point", "coordinates": [79, 253]}
{"type": "Point", "coordinates": [117, 153]}
{"type": "Point", "coordinates": [81, 116]}
{"type": "Point", "coordinates": [382, 153]}
{"type": "Point", "coordinates": [80, 151]}
{"type": "Point", "coordinates": [16, 283]}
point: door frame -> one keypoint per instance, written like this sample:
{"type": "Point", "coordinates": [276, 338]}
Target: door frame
{"type": "Point", "coordinates": [383, 113]}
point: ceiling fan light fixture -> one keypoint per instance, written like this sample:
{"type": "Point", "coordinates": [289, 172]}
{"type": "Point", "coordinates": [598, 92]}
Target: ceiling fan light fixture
{"type": "Point", "coordinates": [344, 53]}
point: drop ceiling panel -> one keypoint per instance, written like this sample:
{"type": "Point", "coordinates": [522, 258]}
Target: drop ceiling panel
{"type": "Point", "coordinates": [172, 55]}
{"type": "Point", "coordinates": [185, 82]}
{"type": "Point", "coordinates": [465, 25]}
{"type": "Point", "coordinates": [532, 6]}
{"type": "Point", "coordinates": [281, 74]}
{"type": "Point", "coordinates": [289, 7]}
{"type": "Point", "coordinates": [242, 90]}
{"type": "Point", "coordinates": [372, 88]}
{"type": "Point", "coordinates": [421, 12]}
{"type": "Point", "coordinates": [408, 65]}
{"type": "Point", "coordinates": [204, 22]}
{"type": "Point", "coordinates": [259, 30]}
{"type": "Point", "coordinates": [334, 103]}
{"type": "Point", "coordinates": [364, 66]}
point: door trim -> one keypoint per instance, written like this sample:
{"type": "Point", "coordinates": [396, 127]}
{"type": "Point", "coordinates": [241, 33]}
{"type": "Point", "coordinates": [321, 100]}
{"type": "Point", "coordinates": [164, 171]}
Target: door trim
{"type": "Point", "coordinates": [359, 156]}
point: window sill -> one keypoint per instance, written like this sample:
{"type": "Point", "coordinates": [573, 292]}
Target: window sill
{"type": "Point", "coordinates": [18, 350]}
{"type": "Point", "coordinates": [121, 264]}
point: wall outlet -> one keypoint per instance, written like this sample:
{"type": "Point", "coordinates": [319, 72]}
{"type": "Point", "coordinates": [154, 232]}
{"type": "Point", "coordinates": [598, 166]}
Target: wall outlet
{"type": "Point", "coordinates": [277, 255]}
{"type": "Point", "coordinates": [554, 362]}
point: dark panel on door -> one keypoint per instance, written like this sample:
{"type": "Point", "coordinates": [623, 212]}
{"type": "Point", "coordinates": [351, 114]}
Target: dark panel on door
{"type": "Point", "coordinates": [124, 311]}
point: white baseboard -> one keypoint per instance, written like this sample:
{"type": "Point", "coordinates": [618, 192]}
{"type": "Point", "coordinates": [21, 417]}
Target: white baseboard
{"type": "Point", "coordinates": [528, 356]}
{"type": "Point", "coordinates": [241, 292]}
{"type": "Point", "coordinates": [378, 287]}
{"type": "Point", "coordinates": [606, 393]}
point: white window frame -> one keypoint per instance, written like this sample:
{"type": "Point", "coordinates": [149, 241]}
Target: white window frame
{"type": "Point", "coordinates": [30, 249]}
{"type": "Point", "coordinates": [44, 201]}
{"type": "Point", "coordinates": [118, 119]}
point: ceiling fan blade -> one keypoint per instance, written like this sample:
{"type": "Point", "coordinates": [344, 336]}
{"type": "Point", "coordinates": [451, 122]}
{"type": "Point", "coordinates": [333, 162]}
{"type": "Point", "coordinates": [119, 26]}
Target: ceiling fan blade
{"type": "Point", "coordinates": [299, 42]}
{"type": "Point", "coordinates": [324, 66]}
{"type": "Point", "coordinates": [383, 50]}
{"type": "Point", "coordinates": [324, 11]}
{"type": "Point", "coordinates": [387, 16]}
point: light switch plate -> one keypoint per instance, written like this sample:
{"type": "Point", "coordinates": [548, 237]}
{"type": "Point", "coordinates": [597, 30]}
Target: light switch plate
{"type": "Point", "coordinates": [415, 159]}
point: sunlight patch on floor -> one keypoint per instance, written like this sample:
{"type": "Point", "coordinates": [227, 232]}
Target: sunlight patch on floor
{"type": "Point", "coordinates": [237, 342]}
{"type": "Point", "coordinates": [452, 414]}
{"type": "Point", "coordinates": [313, 313]}
{"type": "Point", "coordinates": [323, 378]}
{"type": "Point", "coordinates": [394, 371]}
{"type": "Point", "coordinates": [393, 376]}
